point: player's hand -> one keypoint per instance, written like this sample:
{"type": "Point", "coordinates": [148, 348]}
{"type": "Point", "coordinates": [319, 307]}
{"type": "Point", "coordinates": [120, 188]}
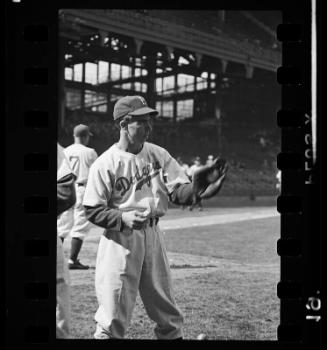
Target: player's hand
{"type": "Point", "coordinates": [134, 219]}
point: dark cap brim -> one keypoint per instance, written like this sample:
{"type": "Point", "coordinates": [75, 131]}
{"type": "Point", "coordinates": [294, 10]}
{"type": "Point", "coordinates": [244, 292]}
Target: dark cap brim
{"type": "Point", "coordinates": [144, 110]}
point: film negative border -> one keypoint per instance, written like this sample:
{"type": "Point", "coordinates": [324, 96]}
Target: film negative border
{"type": "Point", "coordinates": [31, 141]}
{"type": "Point", "coordinates": [30, 242]}
{"type": "Point", "coordinates": [300, 284]}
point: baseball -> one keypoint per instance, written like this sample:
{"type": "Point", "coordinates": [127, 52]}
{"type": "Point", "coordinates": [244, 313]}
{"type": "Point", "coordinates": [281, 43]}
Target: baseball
{"type": "Point", "coordinates": [201, 336]}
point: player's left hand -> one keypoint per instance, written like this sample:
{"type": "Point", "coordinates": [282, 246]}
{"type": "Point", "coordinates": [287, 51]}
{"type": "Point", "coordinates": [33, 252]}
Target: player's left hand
{"type": "Point", "coordinates": [208, 180]}
{"type": "Point", "coordinates": [134, 219]}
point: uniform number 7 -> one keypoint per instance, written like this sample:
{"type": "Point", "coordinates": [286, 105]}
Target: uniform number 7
{"type": "Point", "coordinates": [74, 162]}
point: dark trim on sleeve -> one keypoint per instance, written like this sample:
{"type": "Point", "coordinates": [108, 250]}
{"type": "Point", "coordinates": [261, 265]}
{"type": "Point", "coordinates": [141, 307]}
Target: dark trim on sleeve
{"type": "Point", "coordinates": [66, 196]}
{"type": "Point", "coordinates": [105, 217]}
{"type": "Point", "coordinates": [183, 195]}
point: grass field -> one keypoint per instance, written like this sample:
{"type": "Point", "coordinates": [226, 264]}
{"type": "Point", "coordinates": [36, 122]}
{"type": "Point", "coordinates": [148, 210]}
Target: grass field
{"type": "Point", "coordinates": [225, 276]}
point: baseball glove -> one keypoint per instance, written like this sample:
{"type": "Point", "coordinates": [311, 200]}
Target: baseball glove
{"type": "Point", "coordinates": [208, 180]}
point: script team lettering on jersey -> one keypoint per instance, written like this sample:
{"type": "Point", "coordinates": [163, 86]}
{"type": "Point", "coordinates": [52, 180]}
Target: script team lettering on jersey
{"type": "Point", "coordinates": [140, 178]}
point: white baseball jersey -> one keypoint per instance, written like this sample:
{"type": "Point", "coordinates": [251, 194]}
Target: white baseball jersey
{"type": "Point", "coordinates": [63, 166]}
{"type": "Point", "coordinates": [80, 158]}
{"type": "Point", "coordinates": [125, 181]}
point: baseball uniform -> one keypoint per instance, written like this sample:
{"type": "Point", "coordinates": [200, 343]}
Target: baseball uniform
{"type": "Point", "coordinates": [74, 221]}
{"type": "Point", "coordinates": [129, 260]}
{"type": "Point", "coordinates": [63, 303]}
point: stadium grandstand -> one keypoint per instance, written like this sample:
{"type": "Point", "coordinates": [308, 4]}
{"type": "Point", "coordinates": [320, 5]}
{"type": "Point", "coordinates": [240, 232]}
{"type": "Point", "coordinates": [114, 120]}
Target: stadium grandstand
{"type": "Point", "coordinates": [210, 74]}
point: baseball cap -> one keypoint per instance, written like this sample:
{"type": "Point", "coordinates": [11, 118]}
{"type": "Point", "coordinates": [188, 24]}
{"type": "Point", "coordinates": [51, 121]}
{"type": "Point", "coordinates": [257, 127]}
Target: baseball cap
{"type": "Point", "coordinates": [82, 130]}
{"type": "Point", "coordinates": [132, 105]}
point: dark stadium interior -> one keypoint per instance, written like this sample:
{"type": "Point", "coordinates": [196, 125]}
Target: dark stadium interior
{"type": "Point", "coordinates": [211, 75]}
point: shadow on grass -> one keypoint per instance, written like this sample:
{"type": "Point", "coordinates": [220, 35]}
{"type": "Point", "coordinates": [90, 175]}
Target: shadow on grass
{"type": "Point", "coordinates": [187, 266]}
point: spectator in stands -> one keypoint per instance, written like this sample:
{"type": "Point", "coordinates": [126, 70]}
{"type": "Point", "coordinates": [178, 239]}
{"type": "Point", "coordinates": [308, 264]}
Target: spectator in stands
{"type": "Point", "coordinates": [196, 165]}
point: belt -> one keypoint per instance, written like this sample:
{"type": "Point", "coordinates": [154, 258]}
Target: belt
{"type": "Point", "coordinates": [79, 184]}
{"type": "Point", "coordinates": [153, 221]}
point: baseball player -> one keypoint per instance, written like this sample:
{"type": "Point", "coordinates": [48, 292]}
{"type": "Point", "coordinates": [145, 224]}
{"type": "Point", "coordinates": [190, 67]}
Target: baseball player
{"type": "Point", "coordinates": [128, 190]}
{"type": "Point", "coordinates": [65, 199]}
{"type": "Point", "coordinates": [210, 159]}
{"type": "Point", "coordinates": [74, 221]}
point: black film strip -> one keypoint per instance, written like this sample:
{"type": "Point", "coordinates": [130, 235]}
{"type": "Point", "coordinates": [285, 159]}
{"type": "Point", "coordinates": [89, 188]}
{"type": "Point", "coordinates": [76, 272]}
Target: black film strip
{"type": "Point", "coordinates": [31, 144]}
{"type": "Point", "coordinates": [300, 286]}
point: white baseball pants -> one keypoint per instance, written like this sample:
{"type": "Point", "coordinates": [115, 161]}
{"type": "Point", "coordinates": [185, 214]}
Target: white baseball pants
{"type": "Point", "coordinates": [73, 220]}
{"type": "Point", "coordinates": [128, 262]}
{"type": "Point", "coordinates": [63, 294]}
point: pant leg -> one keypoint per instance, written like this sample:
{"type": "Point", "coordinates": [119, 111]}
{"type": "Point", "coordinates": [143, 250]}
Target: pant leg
{"type": "Point", "coordinates": [65, 223]}
{"type": "Point", "coordinates": [81, 225]}
{"type": "Point", "coordinates": [117, 275]}
{"type": "Point", "coordinates": [63, 294]}
{"type": "Point", "coordinates": [156, 288]}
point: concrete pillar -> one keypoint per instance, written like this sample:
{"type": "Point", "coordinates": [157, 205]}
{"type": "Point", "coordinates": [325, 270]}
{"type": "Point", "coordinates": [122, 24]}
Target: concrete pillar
{"type": "Point", "coordinates": [218, 112]}
{"type": "Point", "coordinates": [198, 57]}
{"type": "Point", "coordinates": [170, 51]}
{"type": "Point", "coordinates": [221, 18]}
{"type": "Point", "coordinates": [224, 64]}
{"type": "Point", "coordinates": [133, 73]}
{"type": "Point", "coordinates": [175, 97]}
{"type": "Point", "coordinates": [218, 107]}
{"type": "Point", "coordinates": [151, 65]}
{"type": "Point", "coordinates": [249, 71]}
{"type": "Point", "coordinates": [138, 43]}
{"type": "Point", "coordinates": [103, 36]}
{"type": "Point", "coordinates": [83, 88]}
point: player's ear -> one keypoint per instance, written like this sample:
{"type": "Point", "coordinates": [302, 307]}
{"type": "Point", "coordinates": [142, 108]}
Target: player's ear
{"type": "Point", "coordinates": [123, 124]}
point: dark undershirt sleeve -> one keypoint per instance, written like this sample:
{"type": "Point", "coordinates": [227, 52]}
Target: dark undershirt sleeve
{"type": "Point", "coordinates": [105, 217]}
{"type": "Point", "coordinates": [183, 195]}
{"type": "Point", "coordinates": [66, 196]}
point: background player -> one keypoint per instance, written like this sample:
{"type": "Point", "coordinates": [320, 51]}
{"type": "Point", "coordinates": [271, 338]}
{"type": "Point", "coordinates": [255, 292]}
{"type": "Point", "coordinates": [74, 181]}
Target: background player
{"type": "Point", "coordinates": [210, 159]}
{"type": "Point", "coordinates": [128, 190]}
{"type": "Point", "coordinates": [65, 199]}
{"type": "Point", "coordinates": [74, 221]}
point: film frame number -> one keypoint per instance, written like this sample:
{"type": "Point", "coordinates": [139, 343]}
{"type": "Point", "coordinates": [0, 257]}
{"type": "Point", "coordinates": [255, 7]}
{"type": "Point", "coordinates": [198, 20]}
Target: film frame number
{"type": "Point", "coordinates": [313, 304]}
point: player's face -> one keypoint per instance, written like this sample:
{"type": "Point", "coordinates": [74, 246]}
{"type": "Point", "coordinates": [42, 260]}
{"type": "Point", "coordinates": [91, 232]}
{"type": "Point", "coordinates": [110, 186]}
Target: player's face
{"type": "Point", "coordinates": [139, 128]}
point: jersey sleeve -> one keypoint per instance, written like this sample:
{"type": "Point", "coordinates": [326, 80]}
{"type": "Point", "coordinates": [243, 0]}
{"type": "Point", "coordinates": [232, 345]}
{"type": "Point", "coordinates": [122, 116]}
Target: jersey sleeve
{"type": "Point", "coordinates": [98, 188]}
{"type": "Point", "coordinates": [173, 173]}
{"type": "Point", "coordinates": [92, 157]}
{"type": "Point", "coordinates": [63, 166]}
